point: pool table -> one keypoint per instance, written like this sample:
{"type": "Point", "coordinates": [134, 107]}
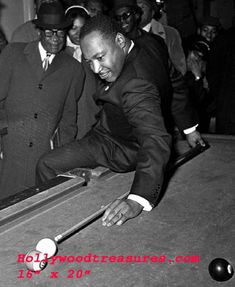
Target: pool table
{"type": "Point", "coordinates": [170, 246]}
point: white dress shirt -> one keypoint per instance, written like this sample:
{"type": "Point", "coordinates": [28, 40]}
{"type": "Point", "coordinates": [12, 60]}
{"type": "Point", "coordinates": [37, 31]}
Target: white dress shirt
{"type": "Point", "coordinates": [43, 53]}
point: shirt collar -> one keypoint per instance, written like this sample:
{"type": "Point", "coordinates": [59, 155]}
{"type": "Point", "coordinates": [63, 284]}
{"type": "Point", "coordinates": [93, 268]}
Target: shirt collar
{"type": "Point", "coordinates": [77, 53]}
{"type": "Point", "coordinates": [71, 44]}
{"type": "Point", "coordinates": [147, 27]}
{"type": "Point", "coordinates": [43, 53]}
{"type": "Point", "coordinates": [131, 46]}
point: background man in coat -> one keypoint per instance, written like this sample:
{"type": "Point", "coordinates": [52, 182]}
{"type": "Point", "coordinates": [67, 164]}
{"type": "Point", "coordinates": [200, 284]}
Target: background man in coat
{"type": "Point", "coordinates": [130, 132]}
{"type": "Point", "coordinates": [36, 101]}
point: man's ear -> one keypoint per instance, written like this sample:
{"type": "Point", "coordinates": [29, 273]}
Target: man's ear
{"type": "Point", "coordinates": [199, 30]}
{"type": "Point", "coordinates": [120, 40]}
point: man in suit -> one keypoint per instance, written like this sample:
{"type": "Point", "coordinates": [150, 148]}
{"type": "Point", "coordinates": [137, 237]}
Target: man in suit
{"type": "Point", "coordinates": [130, 133]}
{"type": "Point", "coordinates": [39, 88]}
{"type": "Point", "coordinates": [177, 110]}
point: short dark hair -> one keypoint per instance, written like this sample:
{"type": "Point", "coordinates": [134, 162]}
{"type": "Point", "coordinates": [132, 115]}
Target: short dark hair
{"type": "Point", "coordinates": [103, 24]}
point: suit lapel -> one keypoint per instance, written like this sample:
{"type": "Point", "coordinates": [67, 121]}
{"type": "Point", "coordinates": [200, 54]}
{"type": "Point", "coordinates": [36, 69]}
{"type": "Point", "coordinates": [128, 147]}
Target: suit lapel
{"type": "Point", "coordinates": [110, 92]}
{"type": "Point", "coordinates": [55, 65]}
{"type": "Point", "coordinates": [34, 59]}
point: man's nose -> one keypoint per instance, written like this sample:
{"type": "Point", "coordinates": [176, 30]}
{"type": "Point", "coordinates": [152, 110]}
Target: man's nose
{"type": "Point", "coordinates": [96, 67]}
{"type": "Point", "coordinates": [209, 34]}
{"type": "Point", "coordinates": [55, 38]}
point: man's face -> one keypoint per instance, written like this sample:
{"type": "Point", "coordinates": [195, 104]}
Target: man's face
{"type": "Point", "coordinates": [208, 32]}
{"type": "Point", "coordinates": [126, 18]}
{"type": "Point", "coordinates": [74, 32]}
{"type": "Point", "coordinates": [147, 12]}
{"type": "Point", "coordinates": [105, 57]}
{"type": "Point", "coordinates": [52, 40]}
{"type": "Point", "coordinates": [94, 8]}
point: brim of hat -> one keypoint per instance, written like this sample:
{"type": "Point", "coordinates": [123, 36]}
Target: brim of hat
{"type": "Point", "coordinates": [63, 25]}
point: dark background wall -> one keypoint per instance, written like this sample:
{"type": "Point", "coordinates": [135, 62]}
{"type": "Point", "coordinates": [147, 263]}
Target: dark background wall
{"type": "Point", "coordinates": [180, 13]}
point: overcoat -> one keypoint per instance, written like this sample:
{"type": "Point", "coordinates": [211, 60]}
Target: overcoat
{"type": "Point", "coordinates": [34, 103]}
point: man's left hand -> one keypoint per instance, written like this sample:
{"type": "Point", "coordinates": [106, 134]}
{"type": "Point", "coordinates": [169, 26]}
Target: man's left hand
{"type": "Point", "coordinates": [195, 138]}
{"type": "Point", "coordinates": [120, 211]}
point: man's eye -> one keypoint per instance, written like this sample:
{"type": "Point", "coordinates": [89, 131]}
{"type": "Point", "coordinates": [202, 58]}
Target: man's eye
{"type": "Point", "coordinates": [100, 58]}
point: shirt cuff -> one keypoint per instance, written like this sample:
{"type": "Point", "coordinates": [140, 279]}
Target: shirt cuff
{"type": "Point", "coordinates": [190, 130]}
{"type": "Point", "coordinates": [142, 201]}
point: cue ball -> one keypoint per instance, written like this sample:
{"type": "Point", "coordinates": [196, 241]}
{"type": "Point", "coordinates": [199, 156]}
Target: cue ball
{"type": "Point", "coordinates": [220, 269]}
{"type": "Point", "coordinates": [47, 246]}
{"type": "Point", "coordinates": [35, 260]}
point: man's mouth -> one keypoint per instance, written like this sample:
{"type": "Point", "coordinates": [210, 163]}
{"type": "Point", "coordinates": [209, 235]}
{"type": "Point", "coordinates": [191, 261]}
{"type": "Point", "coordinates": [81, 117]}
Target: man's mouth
{"type": "Point", "coordinates": [104, 76]}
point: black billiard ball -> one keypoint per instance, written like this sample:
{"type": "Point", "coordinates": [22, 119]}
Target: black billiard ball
{"type": "Point", "coordinates": [220, 269]}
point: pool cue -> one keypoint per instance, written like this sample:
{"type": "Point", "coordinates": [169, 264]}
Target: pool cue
{"type": "Point", "coordinates": [187, 156]}
{"type": "Point", "coordinates": [85, 221]}
{"type": "Point", "coordinates": [193, 152]}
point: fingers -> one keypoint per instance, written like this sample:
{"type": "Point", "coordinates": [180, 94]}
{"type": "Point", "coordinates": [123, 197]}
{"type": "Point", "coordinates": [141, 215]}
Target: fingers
{"type": "Point", "coordinates": [120, 211]}
{"type": "Point", "coordinates": [201, 142]}
{"type": "Point", "coordinates": [195, 138]}
{"type": "Point", "coordinates": [115, 213]}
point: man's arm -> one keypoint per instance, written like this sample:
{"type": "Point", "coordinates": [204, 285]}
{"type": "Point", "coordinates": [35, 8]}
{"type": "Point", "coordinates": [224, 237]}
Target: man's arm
{"type": "Point", "coordinates": [182, 110]}
{"type": "Point", "coordinates": [174, 45]}
{"type": "Point", "coordinates": [142, 107]}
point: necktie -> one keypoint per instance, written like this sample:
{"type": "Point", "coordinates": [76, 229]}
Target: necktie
{"type": "Point", "coordinates": [46, 62]}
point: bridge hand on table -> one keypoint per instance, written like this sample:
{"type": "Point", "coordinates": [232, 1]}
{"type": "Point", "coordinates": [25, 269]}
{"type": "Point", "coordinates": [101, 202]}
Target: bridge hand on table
{"type": "Point", "coordinates": [120, 211]}
{"type": "Point", "coordinates": [195, 138]}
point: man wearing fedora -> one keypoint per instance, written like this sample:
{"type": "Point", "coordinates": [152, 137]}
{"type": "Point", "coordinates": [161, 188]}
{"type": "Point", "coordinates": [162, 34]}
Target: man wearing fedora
{"type": "Point", "coordinates": [28, 31]}
{"type": "Point", "coordinates": [39, 88]}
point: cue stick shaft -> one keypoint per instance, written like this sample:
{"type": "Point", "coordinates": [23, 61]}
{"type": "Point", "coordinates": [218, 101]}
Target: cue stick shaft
{"type": "Point", "coordinates": [179, 161]}
{"type": "Point", "coordinates": [85, 221]}
{"type": "Point", "coordinates": [185, 157]}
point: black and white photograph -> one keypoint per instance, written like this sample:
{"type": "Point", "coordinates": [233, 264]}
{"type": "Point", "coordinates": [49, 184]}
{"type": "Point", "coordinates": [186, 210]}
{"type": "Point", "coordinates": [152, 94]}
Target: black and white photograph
{"type": "Point", "coordinates": [117, 143]}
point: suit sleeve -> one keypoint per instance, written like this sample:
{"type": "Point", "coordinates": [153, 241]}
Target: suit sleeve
{"type": "Point", "coordinates": [182, 110]}
{"type": "Point", "coordinates": [68, 122]}
{"type": "Point", "coordinates": [176, 51]}
{"type": "Point", "coordinates": [141, 104]}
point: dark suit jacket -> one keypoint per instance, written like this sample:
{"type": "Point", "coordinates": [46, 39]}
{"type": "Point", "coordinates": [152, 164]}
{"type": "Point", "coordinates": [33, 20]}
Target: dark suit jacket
{"type": "Point", "coordinates": [34, 104]}
{"type": "Point", "coordinates": [131, 117]}
{"type": "Point", "coordinates": [177, 108]}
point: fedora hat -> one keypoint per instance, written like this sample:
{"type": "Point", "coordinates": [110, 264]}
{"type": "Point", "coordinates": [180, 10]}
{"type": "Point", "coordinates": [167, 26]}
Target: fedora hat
{"type": "Point", "coordinates": [51, 16]}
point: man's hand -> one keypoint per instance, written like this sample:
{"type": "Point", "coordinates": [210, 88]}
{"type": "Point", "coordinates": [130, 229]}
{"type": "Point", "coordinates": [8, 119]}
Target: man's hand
{"type": "Point", "coordinates": [195, 138]}
{"type": "Point", "coordinates": [120, 211]}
